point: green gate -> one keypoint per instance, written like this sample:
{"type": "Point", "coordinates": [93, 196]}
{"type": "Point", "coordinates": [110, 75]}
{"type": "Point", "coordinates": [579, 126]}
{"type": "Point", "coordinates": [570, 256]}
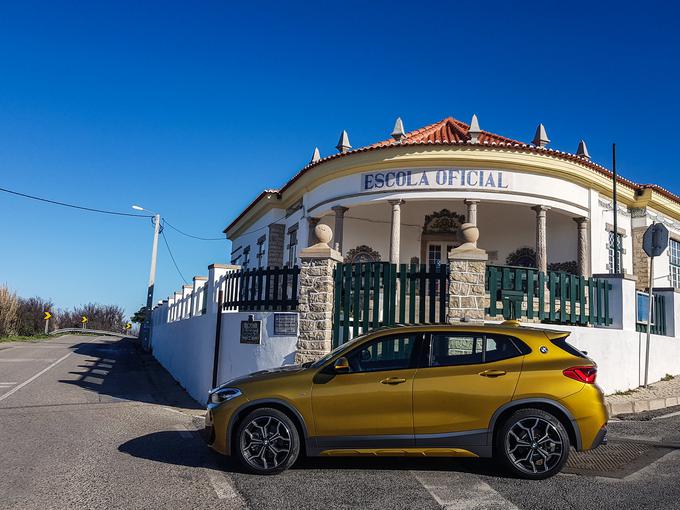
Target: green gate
{"type": "Point", "coordinates": [556, 298]}
{"type": "Point", "coordinates": [371, 295]}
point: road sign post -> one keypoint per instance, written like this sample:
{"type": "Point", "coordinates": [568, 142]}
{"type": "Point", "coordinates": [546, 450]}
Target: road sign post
{"type": "Point", "coordinates": [83, 321]}
{"type": "Point", "coordinates": [46, 318]}
{"type": "Point", "coordinates": [654, 243]}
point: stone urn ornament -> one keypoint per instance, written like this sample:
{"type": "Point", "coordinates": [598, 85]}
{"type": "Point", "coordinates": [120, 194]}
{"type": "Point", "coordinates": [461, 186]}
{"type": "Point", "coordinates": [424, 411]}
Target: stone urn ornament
{"type": "Point", "coordinates": [469, 234]}
{"type": "Point", "coordinates": [324, 234]}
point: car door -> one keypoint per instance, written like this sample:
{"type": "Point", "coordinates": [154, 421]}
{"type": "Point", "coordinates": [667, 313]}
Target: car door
{"type": "Point", "coordinates": [465, 377]}
{"type": "Point", "coordinates": [371, 406]}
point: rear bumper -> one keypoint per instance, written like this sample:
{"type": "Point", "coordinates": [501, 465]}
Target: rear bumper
{"type": "Point", "coordinates": [600, 438]}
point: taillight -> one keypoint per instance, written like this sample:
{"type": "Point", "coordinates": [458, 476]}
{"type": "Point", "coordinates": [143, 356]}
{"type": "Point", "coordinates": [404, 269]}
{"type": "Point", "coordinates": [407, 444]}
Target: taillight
{"type": "Point", "coordinates": [582, 374]}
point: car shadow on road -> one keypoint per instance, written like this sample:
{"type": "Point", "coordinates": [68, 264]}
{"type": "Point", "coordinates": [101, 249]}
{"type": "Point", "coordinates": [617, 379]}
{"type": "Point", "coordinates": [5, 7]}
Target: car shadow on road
{"type": "Point", "coordinates": [117, 369]}
{"type": "Point", "coordinates": [171, 447]}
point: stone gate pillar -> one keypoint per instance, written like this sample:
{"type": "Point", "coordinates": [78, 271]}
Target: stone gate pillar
{"type": "Point", "coordinates": [467, 297]}
{"type": "Point", "coordinates": [316, 297]}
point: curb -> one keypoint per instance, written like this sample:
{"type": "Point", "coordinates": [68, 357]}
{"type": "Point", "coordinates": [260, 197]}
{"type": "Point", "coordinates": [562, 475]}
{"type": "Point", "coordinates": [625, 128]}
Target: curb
{"type": "Point", "coordinates": [640, 406]}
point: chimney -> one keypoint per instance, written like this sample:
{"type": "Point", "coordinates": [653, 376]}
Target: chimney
{"type": "Point", "coordinates": [583, 150]}
{"type": "Point", "coordinates": [343, 143]}
{"type": "Point", "coordinates": [398, 131]}
{"type": "Point", "coordinates": [474, 130]}
{"type": "Point", "coordinates": [541, 137]}
{"type": "Point", "coordinates": [315, 156]}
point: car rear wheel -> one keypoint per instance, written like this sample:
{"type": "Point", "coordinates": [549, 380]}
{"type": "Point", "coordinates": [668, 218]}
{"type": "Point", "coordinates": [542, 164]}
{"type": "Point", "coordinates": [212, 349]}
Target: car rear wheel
{"type": "Point", "coordinates": [533, 444]}
{"type": "Point", "coordinates": [268, 441]}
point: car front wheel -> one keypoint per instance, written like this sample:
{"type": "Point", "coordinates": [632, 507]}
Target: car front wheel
{"type": "Point", "coordinates": [533, 444]}
{"type": "Point", "coordinates": [268, 441]}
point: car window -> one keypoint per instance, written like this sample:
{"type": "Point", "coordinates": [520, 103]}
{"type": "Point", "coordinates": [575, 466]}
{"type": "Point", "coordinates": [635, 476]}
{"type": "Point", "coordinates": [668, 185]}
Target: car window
{"type": "Point", "coordinates": [455, 349]}
{"type": "Point", "coordinates": [450, 349]}
{"type": "Point", "coordinates": [387, 353]}
{"type": "Point", "coordinates": [500, 347]}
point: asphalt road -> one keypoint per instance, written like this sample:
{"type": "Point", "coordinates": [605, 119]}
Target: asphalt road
{"type": "Point", "coordinates": [91, 423]}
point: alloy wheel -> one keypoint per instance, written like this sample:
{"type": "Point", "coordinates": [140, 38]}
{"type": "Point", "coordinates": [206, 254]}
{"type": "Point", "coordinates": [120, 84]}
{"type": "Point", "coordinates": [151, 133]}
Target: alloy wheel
{"type": "Point", "coordinates": [534, 445]}
{"type": "Point", "coordinates": [265, 443]}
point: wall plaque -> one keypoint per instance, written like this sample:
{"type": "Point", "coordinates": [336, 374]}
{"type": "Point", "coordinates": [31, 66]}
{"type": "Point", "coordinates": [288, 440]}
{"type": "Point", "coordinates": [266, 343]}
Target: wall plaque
{"type": "Point", "coordinates": [251, 331]}
{"type": "Point", "coordinates": [285, 324]}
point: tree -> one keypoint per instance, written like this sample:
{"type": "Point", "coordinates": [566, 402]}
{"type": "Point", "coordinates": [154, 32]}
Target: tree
{"type": "Point", "coordinates": [139, 316]}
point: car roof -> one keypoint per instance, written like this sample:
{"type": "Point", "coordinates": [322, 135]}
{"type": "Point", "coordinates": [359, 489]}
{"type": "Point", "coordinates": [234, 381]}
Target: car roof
{"type": "Point", "coordinates": [510, 326]}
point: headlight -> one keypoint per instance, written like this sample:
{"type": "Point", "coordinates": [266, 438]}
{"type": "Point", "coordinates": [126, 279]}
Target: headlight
{"type": "Point", "coordinates": [219, 395]}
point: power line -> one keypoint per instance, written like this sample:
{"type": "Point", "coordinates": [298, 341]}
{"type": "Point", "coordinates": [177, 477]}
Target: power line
{"type": "Point", "coordinates": [193, 236]}
{"type": "Point", "coordinates": [64, 204]}
{"type": "Point", "coordinates": [173, 258]}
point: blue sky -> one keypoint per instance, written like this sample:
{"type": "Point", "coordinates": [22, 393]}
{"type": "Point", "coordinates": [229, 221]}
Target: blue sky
{"type": "Point", "coordinates": [191, 108]}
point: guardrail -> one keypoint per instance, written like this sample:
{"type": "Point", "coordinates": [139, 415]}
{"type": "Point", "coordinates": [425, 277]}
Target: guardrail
{"type": "Point", "coordinates": [89, 331]}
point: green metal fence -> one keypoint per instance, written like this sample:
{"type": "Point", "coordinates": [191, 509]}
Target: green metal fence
{"type": "Point", "coordinates": [558, 297]}
{"type": "Point", "coordinates": [658, 317]}
{"type": "Point", "coordinates": [370, 295]}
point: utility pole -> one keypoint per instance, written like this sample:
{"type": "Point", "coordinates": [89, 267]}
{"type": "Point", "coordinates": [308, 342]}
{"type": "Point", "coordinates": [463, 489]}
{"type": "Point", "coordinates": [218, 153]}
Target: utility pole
{"type": "Point", "coordinates": [146, 336]}
{"type": "Point", "coordinates": [145, 330]}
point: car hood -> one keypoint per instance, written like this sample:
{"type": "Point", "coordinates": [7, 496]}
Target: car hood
{"type": "Point", "coordinates": [260, 375]}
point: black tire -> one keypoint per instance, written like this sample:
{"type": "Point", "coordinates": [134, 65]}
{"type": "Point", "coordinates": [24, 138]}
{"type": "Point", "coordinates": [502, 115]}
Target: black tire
{"type": "Point", "coordinates": [267, 441]}
{"type": "Point", "coordinates": [547, 444]}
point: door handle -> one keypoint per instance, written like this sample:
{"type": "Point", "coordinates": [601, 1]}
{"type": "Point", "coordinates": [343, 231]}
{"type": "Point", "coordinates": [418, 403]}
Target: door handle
{"type": "Point", "coordinates": [492, 373]}
{"type": "Point", "coordinates": [393, 380]}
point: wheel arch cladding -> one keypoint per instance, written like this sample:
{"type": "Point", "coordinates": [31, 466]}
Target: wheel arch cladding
{"type": "Point", "coordinates": [550, 406]}
{"type": "Point", "coordinates": [279, 405]}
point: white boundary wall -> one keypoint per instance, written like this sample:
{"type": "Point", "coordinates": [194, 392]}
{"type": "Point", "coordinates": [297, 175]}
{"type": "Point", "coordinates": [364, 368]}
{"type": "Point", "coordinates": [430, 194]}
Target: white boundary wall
{"type": "Point", "coordinates": [186, 349]}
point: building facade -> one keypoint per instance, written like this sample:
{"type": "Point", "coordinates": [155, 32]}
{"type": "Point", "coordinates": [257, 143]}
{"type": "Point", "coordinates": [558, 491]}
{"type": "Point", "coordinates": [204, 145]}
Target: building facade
{"type": "Point", "coordinates": [404, 199]}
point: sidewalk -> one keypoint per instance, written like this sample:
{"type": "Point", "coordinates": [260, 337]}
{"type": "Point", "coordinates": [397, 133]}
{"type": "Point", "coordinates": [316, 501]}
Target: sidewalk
{"type": "Point", "coordinates": [657, 396]}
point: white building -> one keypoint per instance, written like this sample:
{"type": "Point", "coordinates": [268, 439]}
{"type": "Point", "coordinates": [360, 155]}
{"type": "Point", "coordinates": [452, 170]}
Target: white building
{"type": "Point", "coordinates": [403, 199]}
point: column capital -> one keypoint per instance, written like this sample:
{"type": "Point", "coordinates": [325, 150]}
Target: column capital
{"type": "Point", "coordinates": [397, 201]}
{"type": "Point", "coordinates": [339, 209]}
{"type": "Point", "coordinates": [582, 221]}
{"type": "Point", "coordinates": [471, 201]}
{"type": "Point", "coordinates": [540, 208]}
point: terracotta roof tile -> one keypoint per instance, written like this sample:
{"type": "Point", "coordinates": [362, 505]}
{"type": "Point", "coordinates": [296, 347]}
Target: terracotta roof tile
{"type": "Point", "coordinates": [450, 131]}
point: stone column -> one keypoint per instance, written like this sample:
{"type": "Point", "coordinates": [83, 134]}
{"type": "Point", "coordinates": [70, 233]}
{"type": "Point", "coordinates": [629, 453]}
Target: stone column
{"type": "Point", "coordinates": [395, 236]}
{"type": "Point", "coordinates": [312, 222]}
{"type": "Point", "coordinates": [541, 239]}
{"type": "Point", "coordinates": [582, 248]}
{"type": "Point", "coordinates": [216, 274]}
{"type": "Point", "coordinates": [471, 210]}
{"type": "Point", "coordinates": [316, 297]}
{"type": "Point", "coordinates": [339, 225]}
{"type": "Point", "coordinates": [467, 297]}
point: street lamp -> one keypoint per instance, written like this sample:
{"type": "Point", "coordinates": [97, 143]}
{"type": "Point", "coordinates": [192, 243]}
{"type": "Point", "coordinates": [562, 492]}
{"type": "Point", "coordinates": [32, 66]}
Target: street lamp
{"type": "Point", "coordinates": [145, 333]}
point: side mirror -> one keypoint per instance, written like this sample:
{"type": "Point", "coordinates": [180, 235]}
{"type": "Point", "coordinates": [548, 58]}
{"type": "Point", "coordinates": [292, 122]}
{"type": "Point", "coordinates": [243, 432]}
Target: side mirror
{"type": "Point", "coordinates": [341, 365]}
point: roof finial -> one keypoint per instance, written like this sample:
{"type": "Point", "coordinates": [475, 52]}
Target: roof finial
{"type": "Point", "coordinates": [541, 137]}
{"type": "Point", "coordinates": [583, 150]}
{"type": "Point", "coordinates": [315, 156]}
{"type": "Point", "coordinates": [343, 143]}
{"type": "Point", "coordinates": [474, 130]}
{"type": "Point", "coordinates": [398, 132]}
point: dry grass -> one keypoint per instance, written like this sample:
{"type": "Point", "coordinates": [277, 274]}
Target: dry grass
{"type": "Point", "coordinates": [9, 312]}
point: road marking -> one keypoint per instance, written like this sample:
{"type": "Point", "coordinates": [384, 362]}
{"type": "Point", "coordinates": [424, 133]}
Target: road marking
{"type": "Point", "coordinates": [461, 491]}
{"type": "Point", "coordinates": [664, 416]}
{"type": "Point", "coordinates": [224, 489]}
{"type": "Point", "coordinates": [21, 360]}
{"type": "Point", "coordinates": [28, 381]}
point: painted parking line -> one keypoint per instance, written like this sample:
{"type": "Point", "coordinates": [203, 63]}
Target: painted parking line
{"type": "Point", "coordinates": [461, 491]}
{"type": "Point", "coordinates": [30, 380]}
{"type": "Point", "coordinates": [225, 490]}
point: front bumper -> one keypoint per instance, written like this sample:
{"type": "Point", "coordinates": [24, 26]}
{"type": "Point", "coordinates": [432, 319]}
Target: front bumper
{"type": "Point", "coordinates": [208, 432]}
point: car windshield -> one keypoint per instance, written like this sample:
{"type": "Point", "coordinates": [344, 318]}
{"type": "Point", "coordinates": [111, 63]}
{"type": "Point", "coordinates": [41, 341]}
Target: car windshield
{"type": "Point", "coordinates": [335, 351]}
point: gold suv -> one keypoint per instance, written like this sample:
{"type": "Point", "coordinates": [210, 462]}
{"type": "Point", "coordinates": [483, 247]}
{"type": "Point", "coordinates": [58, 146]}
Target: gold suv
{"type": "Point", "coordinates": [522, 395]}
